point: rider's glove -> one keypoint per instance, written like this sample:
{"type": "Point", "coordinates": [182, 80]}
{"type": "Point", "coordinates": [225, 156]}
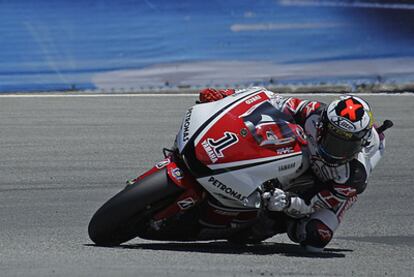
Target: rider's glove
{"type": "Point", "coordinates": [293, 206]}
{"type": "Point", "coordinates": [276, 201]}
{"type": "Point", "coordinates": [210, 94]}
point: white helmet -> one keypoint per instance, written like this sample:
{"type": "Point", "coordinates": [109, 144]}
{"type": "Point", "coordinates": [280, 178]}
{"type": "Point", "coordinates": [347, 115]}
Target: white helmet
{"type": "Point", "coordinates": [345, 125]}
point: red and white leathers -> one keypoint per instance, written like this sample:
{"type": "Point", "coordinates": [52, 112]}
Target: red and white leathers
{"type": "Point", "coordinates": [317, 215]}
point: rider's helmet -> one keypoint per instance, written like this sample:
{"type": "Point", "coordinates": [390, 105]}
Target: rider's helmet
{"type": "Point", "coordinates": [344, 128]}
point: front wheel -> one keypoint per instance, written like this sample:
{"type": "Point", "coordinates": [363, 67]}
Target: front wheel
{"type": "Point", "coordinates": [123, 216]}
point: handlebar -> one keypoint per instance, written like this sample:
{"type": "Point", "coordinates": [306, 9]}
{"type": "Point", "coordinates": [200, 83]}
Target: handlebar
{"type": "Point", "coordinates": [386, 125]}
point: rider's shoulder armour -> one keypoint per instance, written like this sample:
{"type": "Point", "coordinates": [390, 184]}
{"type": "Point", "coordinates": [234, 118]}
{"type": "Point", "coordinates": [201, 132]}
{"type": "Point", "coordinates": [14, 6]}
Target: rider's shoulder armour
{"type": "Point", "coordinates": [358, 176]}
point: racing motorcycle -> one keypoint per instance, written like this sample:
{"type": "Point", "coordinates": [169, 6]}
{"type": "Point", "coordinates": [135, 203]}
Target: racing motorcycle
{"type": "Point", "coordinates": [226, 155]}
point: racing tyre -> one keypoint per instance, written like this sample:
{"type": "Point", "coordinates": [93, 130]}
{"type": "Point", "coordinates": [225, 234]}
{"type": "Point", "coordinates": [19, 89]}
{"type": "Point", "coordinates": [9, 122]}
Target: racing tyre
{"type": "Point", "coordinates": [124, 216]}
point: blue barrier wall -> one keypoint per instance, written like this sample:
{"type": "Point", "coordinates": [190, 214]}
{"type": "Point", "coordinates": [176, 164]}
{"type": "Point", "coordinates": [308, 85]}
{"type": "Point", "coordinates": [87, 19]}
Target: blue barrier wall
{"type": "Point", "coordinates": [60, 45]}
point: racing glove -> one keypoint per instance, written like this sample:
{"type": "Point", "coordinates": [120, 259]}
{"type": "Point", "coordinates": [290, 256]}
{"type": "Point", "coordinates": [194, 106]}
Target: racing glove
{"type": "Point", "coordinates": [293, 206]}
{"type": "Point", "coordinates": [276, 201]}
{"type": "Point", "coordinates": [211, 94]}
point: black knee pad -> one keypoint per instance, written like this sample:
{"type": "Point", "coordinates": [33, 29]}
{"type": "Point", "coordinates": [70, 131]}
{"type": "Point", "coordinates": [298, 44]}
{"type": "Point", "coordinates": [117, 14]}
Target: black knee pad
{"type": "Point", "coordinates": [317, 234]}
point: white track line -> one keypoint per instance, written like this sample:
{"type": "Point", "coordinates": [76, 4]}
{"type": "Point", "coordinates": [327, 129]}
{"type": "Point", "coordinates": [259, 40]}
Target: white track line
{"type": "Point", "coordinates": [43, 95]}
{"type": "Point", "coordinates": [178, 95]}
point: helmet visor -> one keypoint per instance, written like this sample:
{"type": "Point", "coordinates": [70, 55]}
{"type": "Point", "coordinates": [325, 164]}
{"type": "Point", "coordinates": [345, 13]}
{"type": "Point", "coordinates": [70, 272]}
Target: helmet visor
{"type": "Point", "coordinates": [336, 145]}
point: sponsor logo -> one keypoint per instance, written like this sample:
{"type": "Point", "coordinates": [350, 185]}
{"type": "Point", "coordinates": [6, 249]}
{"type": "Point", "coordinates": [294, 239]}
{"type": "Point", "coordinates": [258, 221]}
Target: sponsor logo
{"type": "Point", "coordinates": [311, 107]}
{"type": "Point", "coordinates": [293, 104]}
{"type": "Point", "coordinates": [284, 167]}
{"type": "Point", "coordinates": [324, 233]}
{"type": "Point", "coordinates": [186, 125]}
{"type": "Point", "coordinates": [162, 163]}
{"type": "Point", "coordinates": [186, 203]}
{"type": "Point", "coordinates": [284, 150]}
{"type": "Point", "coordinates": [177, 173]}
{"type": "Point", "coordinates": [346, 191]}
{"type": "Point", "coordinates": [228, 190]}
{"type": "Point", "coordinates": [343, 123]}
{"type": "Point", "coordinates": [209, 150]}
{"type": "Point", "coordinates": [215, 148]}
{"type": "Point", "coordinates": [253, 99]}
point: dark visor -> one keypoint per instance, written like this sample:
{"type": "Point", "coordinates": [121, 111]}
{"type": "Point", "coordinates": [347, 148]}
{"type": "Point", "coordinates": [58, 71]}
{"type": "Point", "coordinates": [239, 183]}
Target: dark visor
{"type": "Point", "coordinates": [335, 147]}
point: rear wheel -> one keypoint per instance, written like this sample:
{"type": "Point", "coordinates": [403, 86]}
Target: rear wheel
{"type": "Point", "coordinates": [125, 215]}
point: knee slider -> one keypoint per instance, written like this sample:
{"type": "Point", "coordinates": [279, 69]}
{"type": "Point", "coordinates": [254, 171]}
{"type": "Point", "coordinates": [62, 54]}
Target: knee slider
{"type": "Point", "coordinates": [317, 234]}
{"type": "Point", "coordinates": [314, 232]}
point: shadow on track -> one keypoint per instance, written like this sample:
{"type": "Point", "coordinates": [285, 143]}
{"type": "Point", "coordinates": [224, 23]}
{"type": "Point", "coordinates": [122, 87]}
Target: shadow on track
{"type": "Point", "coordinates": [291, 250]}
{"type": "Point", "coordinates": [390, 240]}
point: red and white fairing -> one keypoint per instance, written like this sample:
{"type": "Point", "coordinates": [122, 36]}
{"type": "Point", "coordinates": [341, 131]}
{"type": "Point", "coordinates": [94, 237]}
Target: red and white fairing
{"type": "Point", "coordinates": [244, 141]}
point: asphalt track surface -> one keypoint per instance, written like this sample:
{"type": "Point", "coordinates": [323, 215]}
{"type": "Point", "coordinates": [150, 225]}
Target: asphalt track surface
{"type": "Point", "coordinates": [61, 158]}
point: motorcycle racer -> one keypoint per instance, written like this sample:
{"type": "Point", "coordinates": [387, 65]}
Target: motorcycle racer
{"type": "Point", "coordinates": [343, 148]}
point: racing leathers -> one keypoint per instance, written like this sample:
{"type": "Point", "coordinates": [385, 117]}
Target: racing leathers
{"type": "Point", "coordinates": [315, 215]}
